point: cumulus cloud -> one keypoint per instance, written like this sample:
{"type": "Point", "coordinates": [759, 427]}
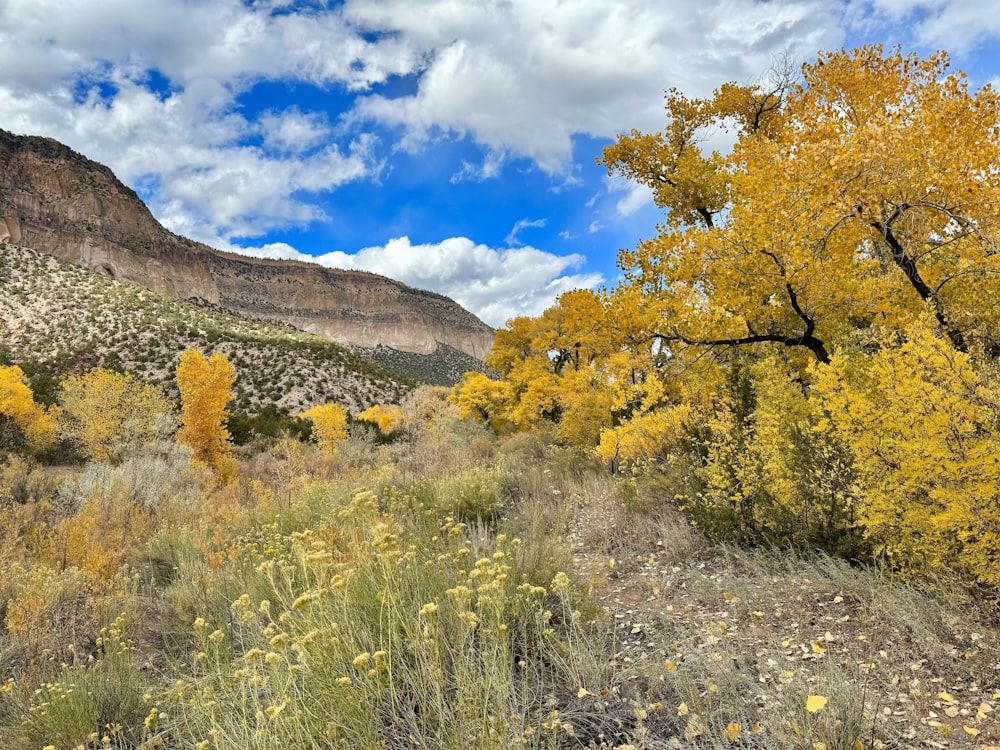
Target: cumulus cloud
{"type": "Point", "coordinates": [293, 131]}
{"type": "Point", "coordinates": [527, 76]}
{"type": "Point", "coordinates": [494, 283]}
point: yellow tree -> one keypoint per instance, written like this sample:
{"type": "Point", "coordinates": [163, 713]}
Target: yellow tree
{"type": "Point", "coordinates": [481, 398]}
{"type": "Point", "coordinates": [849, 241]}
{"type": "Point", "coordinates": [581, 364]}
{"type": "Point", "coordinates": [329, 425]}
{"type": "Point", "coordinates": [388, 417]}
{"type": "Point", "coordinates": [206, 387]}
{"type": "Point", "coordinates": [855, 198]}
{"type": "Point", "coordinates": [110, 413]}
{"type": "Point", "coordinates": [20, 417]}
{"type": "Point", "coordinates": [921, 421]}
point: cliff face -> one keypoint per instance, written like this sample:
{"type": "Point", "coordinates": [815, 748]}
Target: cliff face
{"type": "Point", "coordinates": [56, 201]}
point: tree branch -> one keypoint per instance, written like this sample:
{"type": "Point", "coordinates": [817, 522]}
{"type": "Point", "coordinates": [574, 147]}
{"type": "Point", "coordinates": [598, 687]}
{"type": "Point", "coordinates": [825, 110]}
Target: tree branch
{"type": "Point", "coordinates": [909, 268]}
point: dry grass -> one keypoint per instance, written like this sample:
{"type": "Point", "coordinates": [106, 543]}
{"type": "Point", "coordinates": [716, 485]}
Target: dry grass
{"type": "Point", "coordinates": [656, 639]}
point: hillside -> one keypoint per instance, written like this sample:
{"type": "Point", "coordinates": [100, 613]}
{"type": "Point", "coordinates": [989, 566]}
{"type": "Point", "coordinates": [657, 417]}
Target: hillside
{"type": "Point", "coordinates": [57, 318]}
{"type": "Point", "coordinates": [59, 202]}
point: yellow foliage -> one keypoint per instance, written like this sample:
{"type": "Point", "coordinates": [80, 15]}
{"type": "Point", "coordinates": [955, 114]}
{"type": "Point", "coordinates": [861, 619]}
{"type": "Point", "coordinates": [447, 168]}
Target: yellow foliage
{"type": "Point", "coordinates": [645, 438]}
{"type": "Point", "coordinates": [17, 404]}
{"type": "Point", "coordinates": [773, 462]}
{"type": "Point", "coordinates": [815, 703]}
{"type": "Point", "coordinates": [388, 417]}
{"type": "Point", "coordinates": [576, 365]}
{"type": "Point", "coordinates": [478, 397]}
{"type": "Point", "coordinates": [100, 537]}
{"type": "Point", "coordinates": [110, 413]}
{"type": "Point", "coordinates": [205, 387]}
{"type": "Point", "coordinates": [329, 425]}
{"type": "Point", "coordinates": [921, 422]}
{"type": "Point", "coordinates": [851, 200]}
{"type": "Point", "coordinates": [44, 600]}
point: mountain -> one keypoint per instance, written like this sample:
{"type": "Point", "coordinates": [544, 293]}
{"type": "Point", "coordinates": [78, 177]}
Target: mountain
{"type": "Point", "coordinates": [57, 318]}
{"type": "Point", "coordinates": [57, 201]}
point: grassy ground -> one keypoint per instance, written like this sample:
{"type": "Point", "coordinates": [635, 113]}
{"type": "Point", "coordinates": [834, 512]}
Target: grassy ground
{"type": "Point", "coordinates": [451, 590]}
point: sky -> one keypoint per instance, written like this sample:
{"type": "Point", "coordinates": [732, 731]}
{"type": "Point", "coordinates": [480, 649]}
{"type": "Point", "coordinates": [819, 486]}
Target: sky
{"type": "Point", "coordinates": [449, 144]}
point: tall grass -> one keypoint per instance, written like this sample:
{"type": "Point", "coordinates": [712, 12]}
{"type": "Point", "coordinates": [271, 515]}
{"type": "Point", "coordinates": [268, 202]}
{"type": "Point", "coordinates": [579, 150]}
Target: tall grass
{"type": "Point", "coordinates": [432, 593]}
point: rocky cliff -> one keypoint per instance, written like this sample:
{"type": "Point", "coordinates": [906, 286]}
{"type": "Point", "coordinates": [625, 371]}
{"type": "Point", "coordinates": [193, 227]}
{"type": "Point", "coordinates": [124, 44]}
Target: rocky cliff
{"type": "Point", "coordinates": [56, 201]}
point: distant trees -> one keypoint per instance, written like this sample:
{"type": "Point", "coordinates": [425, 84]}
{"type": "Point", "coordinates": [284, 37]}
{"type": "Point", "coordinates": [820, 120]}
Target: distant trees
{"type": "Point", "coordinates": [387, 417]}
{"type": "Point", "coordinates": [329, 425]}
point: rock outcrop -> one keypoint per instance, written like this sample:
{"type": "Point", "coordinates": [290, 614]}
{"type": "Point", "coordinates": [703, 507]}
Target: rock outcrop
{"type": "Point", "coordinates": [57, 201]}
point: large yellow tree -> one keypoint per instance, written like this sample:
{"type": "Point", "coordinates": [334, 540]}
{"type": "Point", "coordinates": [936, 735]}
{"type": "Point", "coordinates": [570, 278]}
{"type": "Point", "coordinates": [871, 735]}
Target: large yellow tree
{"type": "Point", "coordinates": [847, 245]}
{"type": "Point", "coordinates": [21, 419]}
{"type": "Point", "coordinates": [206, 387]}
{"type": "Point", "coordinates": [110, 413]}
{"type": "Point", "coordinates": [855, 198]}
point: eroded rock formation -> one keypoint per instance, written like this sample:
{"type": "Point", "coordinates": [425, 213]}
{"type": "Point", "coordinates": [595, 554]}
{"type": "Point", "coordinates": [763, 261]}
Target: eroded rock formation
{"type": "Point", "coordinates": [57, 201]}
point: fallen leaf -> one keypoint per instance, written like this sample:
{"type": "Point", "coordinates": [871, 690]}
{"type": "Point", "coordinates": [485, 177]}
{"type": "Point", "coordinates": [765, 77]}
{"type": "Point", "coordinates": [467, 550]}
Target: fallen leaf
{"type": "Point", "coordinates": [682, 710]}
{"type": "Point", "coordinates": [970, 730]}
{"type": "Point", "coordinates": [946, 697]}
{"type": "Point", "coordinates": [814, 703]}
{"type": "Point", "coordinates": [733, 732]}
{"type": "Point", "coordinates": [818, 648]}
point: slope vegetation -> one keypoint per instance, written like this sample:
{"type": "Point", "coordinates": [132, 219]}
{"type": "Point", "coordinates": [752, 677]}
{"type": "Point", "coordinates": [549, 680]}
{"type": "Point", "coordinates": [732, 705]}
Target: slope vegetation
{"type": "Point", "coordinates": [56, 318]}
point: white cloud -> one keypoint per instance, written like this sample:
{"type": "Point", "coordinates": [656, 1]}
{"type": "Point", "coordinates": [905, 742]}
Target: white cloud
{"type": "Point", "coordinates": [527, 75]}
{"type": "Point", "coordinates": [491, 166]}
{"type": "Point", "coordinates": [494, 283]}
{"type": "Point", "coordinates": [636, 196]}
{"type": "Point", "coordinates": [293, 131]}
{"type": "Point", "coordinates": [512, 237]}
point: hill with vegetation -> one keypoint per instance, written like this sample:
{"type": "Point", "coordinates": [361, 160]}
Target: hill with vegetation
{"type": "Point", "coordinates": [58, 319]}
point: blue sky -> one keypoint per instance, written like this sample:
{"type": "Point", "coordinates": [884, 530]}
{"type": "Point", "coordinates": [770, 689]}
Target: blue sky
{"type": "Point", "coordinates": [446, 143]}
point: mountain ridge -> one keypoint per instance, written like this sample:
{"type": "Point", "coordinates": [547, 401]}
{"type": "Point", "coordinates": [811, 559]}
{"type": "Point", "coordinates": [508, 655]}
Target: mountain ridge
{"type": "Point", "coordinates": [62, 203]}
